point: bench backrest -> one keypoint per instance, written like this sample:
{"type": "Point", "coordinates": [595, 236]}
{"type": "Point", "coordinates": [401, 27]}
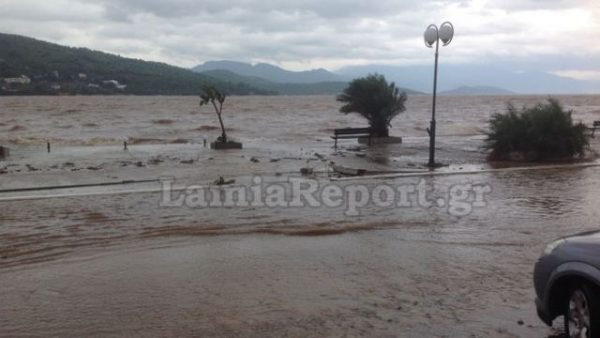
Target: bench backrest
{"type": "Point", "coordinates": [596, 123]}
{"type": "Point", "coordinates": [352, 131]}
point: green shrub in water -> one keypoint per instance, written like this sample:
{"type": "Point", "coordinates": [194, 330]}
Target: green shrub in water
{"type": "Point", "coordinates": [543, 132]}
{"type": "Point", "coordinates": [375, 99]}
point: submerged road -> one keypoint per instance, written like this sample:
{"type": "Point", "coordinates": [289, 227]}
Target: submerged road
{"type": "Point", "coordinates": [106, 265]}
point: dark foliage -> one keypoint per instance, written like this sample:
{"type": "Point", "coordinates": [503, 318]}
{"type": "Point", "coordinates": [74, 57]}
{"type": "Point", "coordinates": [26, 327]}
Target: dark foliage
{"type": "Point", "coordinates": [375, 99]}
{"type": "Point", "coordinates": [545, 131]}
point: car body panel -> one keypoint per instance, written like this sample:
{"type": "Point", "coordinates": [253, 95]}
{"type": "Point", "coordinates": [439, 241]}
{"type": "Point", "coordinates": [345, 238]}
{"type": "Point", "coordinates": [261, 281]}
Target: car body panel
{"type": "Point", "coordinates": [576, 256]}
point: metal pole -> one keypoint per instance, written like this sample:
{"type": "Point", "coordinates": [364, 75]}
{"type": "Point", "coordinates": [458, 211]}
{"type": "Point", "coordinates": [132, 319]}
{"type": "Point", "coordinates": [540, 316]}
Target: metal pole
{"type": "Point", "coordinates": [431, 130]}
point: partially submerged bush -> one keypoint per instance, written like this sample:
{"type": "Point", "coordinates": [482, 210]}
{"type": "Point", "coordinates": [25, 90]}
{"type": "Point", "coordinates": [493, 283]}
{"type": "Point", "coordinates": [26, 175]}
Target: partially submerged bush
{"type": "Point", "coordinates": [545, 131]}
{"type": "Point", "coordinates": [375, 99]}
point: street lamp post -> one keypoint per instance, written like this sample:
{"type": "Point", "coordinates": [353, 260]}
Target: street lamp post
{"type": "Point", "coordinates": [432, 36]}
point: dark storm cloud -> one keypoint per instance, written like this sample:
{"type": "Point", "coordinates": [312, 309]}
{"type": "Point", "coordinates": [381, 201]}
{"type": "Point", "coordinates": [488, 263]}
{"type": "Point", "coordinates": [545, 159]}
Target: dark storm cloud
{"type": "Point", "coordinates": [314, 33]}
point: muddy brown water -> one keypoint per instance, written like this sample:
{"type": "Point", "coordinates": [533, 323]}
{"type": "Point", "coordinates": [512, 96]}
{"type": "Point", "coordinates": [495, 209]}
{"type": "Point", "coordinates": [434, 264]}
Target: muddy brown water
{"type": "Point", "coordinates": [118, 264]}
{"type": "Point", "coordinates": [285, 119]}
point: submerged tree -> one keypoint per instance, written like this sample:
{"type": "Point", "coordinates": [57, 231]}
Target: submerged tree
{"type": "Point", "coordinates": [545, 131]}
{"type": "Point", "coordinates": [213, 96]}
{"type": "Point", "coordinates": [375, 99]}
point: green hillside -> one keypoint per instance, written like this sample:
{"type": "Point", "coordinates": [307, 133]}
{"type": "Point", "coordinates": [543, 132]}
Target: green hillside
{"type": "Point", "coordinates": [29, 66]}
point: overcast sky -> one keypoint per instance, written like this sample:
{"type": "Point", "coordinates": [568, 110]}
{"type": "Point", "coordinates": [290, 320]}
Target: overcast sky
{"type": "Point", "coordinates": [559, 36]}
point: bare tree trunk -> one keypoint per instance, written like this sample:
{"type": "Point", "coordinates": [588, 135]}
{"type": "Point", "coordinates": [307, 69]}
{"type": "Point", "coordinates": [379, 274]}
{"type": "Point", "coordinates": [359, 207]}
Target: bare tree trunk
{"type": "Point", "coordinates": [224, 135]}
{"type": "Point", "coordinates": [219, 110]}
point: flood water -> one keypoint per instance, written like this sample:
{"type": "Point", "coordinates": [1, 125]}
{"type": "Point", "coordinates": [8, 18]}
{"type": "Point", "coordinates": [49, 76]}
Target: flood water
{"type": "Point", "coordinates": [108, 120]}
{"type": "Point", "coordinates": [53, 240]}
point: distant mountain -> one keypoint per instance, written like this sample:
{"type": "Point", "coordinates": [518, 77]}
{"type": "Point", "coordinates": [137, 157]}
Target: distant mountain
{"type": "Point", "coordinates": [270, 72]}
{"type": "Point", "coordinates": [29, 66]}
{"type": "Point", "coordinates": [318, 88]}
{"type": "Point", "coordinates": [452, 76]}
{"type": "Point", "coordinates": [476, 90]}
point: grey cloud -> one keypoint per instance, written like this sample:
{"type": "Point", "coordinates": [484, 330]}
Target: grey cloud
{"type": "Point", "coordinates": [513, 5]}
{"type": "Point", "coordinates": [31, 10]}
{"type": "Point", "coordinates": [118, 9]}
{"type": "Point", "coordinates": [325, 9]}
{"type": "Point", "coordinates": [187, 32]}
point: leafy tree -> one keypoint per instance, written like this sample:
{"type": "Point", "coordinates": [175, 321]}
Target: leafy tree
{"type": "Point", "coordinates": [375, 99]}
{"type": "Point", "coordinates": [545, 131]}
{"type": "Point", "coordinates": [213, 96]}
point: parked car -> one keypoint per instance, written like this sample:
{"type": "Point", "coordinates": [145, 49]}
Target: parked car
{"type": "Point", "coordinates": [567, 283]}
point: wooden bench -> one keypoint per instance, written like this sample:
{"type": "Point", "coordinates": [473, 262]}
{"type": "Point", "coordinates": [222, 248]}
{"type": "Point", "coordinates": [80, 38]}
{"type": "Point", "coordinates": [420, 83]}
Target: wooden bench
{"type": "Point", "coordinates": [347, 133]}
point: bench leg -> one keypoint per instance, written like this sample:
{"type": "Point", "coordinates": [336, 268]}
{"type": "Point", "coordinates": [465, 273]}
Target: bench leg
{"type": "Point", "coordinates": [335, 144]}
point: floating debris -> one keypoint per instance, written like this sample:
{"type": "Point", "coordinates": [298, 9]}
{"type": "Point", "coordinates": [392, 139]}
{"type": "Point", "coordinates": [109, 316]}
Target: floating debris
{"type": "Point", "coordinates": [222, 181]}
{"type": "Point", "coordinates": [155, 161]}
{"type": "Point", "coordinates": [348, 171]}
{"type": "Point", "coordinates": [31, 168]}
{"type": "Point", "coordinates": [306, 171]}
